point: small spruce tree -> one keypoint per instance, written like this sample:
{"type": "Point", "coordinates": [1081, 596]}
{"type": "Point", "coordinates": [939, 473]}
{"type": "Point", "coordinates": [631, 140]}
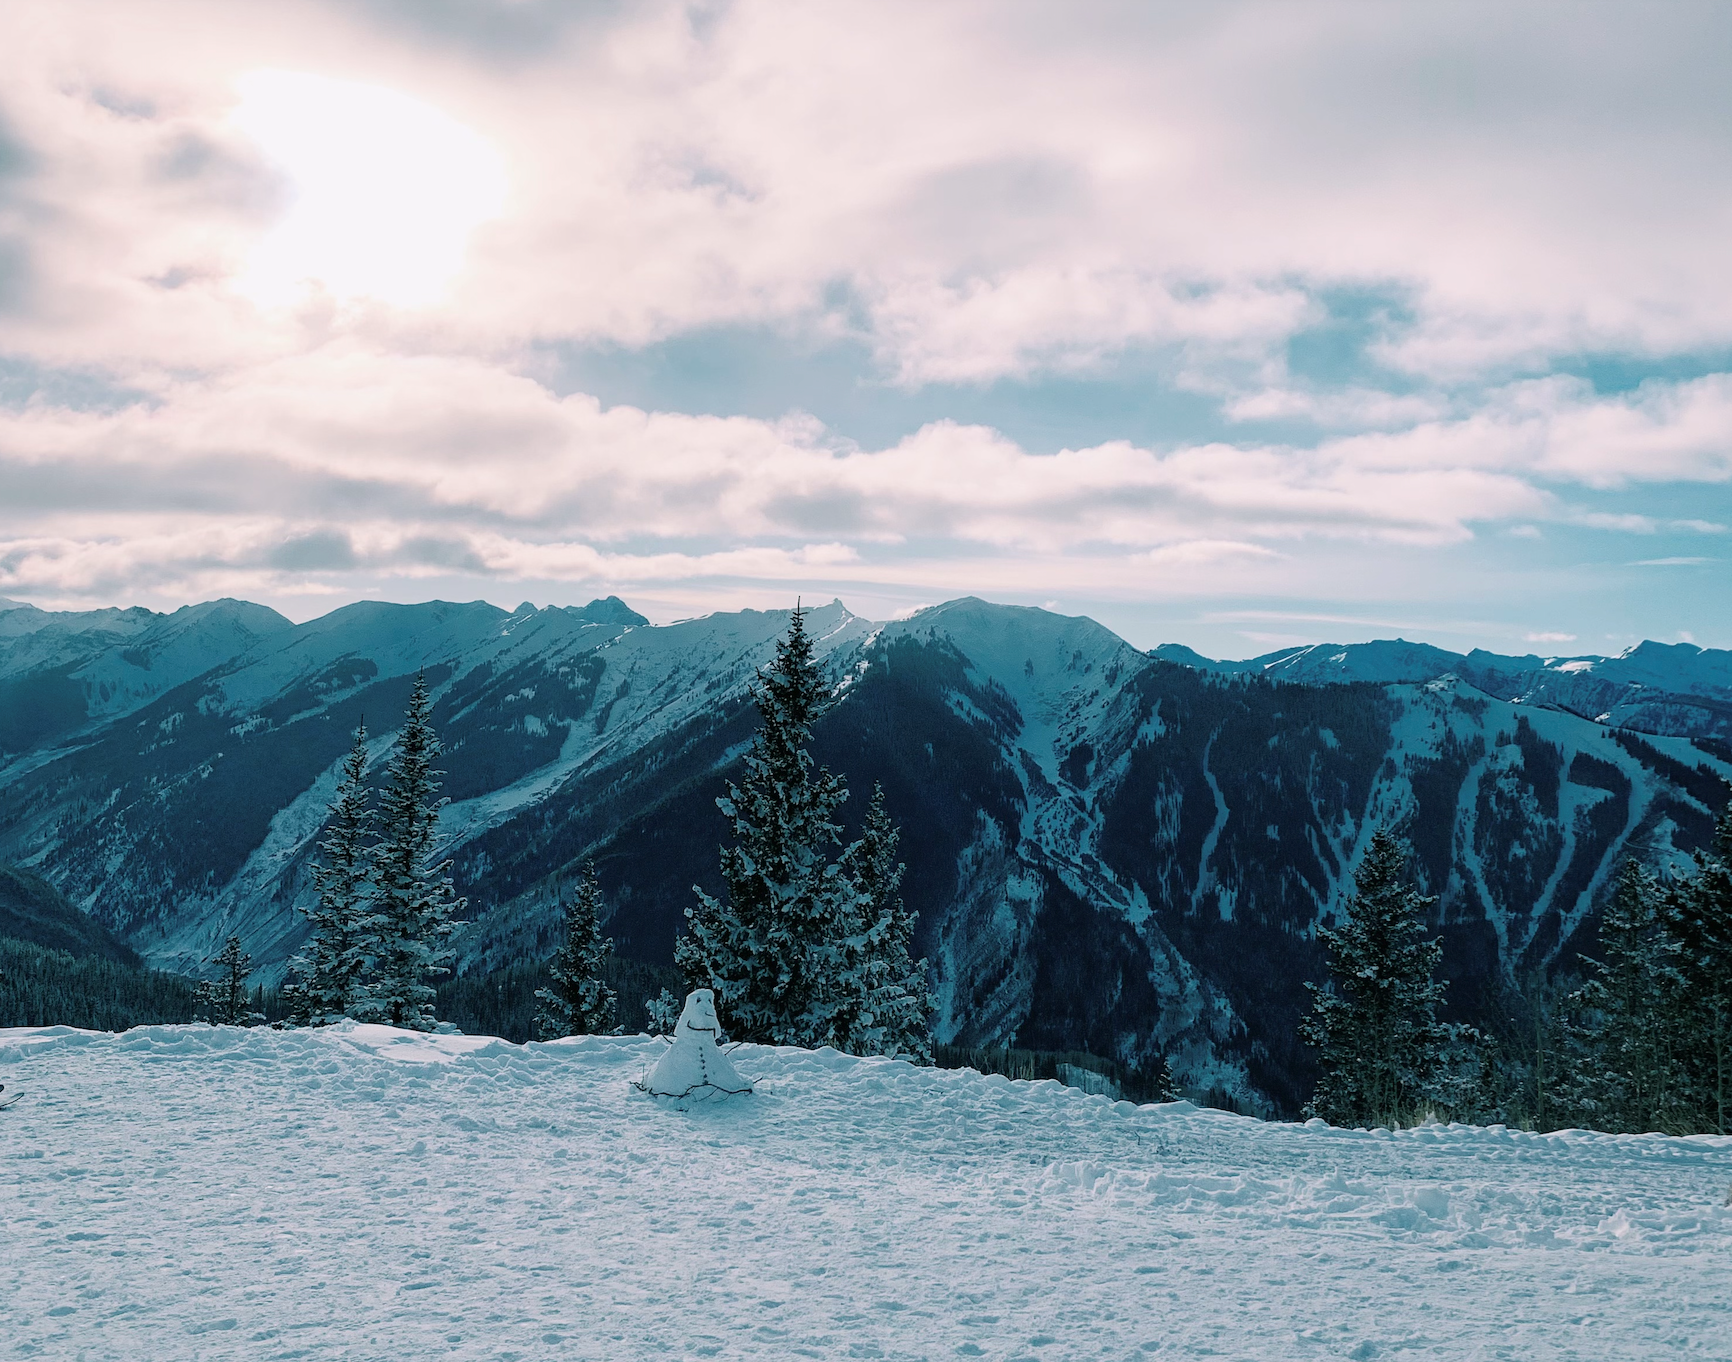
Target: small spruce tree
{"type": "Point", "coordinates": [764, 950]}
{"type": "Point", "coordinates": [413, 900]}
{"type": "Point", "coordinates": [576, 1001]}
{"type": "Point", "coordinates": [662, 1012]}
{"type": "Point", "coordinates": [328, 980]}
{"type": "Point", "coordinates": [1375, 1029]}
{"type": "Point", "coordinates": [876, 1000]}
{"type": "Point", "coordinates": [224, 1000]}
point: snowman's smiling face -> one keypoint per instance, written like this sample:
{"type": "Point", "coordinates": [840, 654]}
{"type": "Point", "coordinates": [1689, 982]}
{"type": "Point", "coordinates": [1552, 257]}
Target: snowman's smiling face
{"type": "Point", "coordinates": [700, 1014]}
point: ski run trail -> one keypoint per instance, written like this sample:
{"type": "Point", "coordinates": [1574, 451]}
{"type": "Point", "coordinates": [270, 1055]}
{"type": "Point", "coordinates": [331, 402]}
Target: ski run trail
{"type": "Point", "coordinates": [360, 1192]}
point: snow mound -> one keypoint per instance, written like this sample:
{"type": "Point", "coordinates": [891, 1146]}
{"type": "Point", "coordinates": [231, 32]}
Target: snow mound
{"type": "Point", "coordinates": [694, 1066]}
{"type": "Point", "coordinates": [360, 1192]}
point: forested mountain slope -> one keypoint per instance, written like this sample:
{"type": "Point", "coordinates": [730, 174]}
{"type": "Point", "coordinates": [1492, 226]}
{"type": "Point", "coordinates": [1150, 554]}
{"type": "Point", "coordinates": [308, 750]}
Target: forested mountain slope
{"type": "Point", "coordinates": [1108, 850]}
{"type": "Point", "coordinates": [33, 910]}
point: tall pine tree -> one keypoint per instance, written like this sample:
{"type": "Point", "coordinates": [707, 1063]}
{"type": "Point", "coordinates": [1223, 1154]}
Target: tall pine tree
{"type": "Point", "coordinates": [764, 951]}
{"type": "Point", "coordinates": [576, 1001]}
{"type": "Point", "coordinates": [330, 976]}
{"type": "Point", "coordinates": [1628, 1075]}
{"type": "Point", "coordinates": [876, 1000]}
{"type": "Point", "coordinates": [413, 899]}
{"type": "Point", "coordinates": [1703, 913]}
{"type": "Point", "coordinates": [1375, 1029]}
{"type": "Point", "coordinates": [224, 1000]}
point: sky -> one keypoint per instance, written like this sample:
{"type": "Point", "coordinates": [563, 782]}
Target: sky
{"type": "Point", "coordinates": [1233, 325]}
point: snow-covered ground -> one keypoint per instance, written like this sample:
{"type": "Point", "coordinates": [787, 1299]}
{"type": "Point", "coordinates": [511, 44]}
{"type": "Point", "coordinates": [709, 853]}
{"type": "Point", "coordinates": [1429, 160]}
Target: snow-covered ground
{"type": "Point", "coordinates": [188, 1192]}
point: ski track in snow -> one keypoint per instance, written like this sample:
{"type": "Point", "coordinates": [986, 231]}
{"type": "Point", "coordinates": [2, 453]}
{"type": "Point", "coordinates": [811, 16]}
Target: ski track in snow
{"type": "Point", "coordinates": [195, 1192]}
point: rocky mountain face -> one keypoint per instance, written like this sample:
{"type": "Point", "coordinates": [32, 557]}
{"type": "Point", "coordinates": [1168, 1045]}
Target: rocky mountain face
{"type": "Point", "coordinates": [1109, 850]}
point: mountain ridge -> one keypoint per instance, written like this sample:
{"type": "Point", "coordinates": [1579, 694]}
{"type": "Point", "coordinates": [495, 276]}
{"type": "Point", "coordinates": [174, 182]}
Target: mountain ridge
{"type": "Point", "coordinates": [1678, 689]}
{"type": "Point", "coordinates": [1108, 850]}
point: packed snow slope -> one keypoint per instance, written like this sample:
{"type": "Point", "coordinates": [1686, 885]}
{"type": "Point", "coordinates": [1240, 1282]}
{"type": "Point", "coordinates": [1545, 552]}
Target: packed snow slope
{"type": "Point", "coordinates": [199, 1193]}
{"type": "Point", "coordinates": [1107, 850]}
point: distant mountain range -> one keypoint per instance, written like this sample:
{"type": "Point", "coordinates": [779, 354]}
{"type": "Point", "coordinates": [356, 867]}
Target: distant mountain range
{"type": "Point", "coordinates": [1109, 849]}
{"type": "Point", "coordinates": [1673, 688]}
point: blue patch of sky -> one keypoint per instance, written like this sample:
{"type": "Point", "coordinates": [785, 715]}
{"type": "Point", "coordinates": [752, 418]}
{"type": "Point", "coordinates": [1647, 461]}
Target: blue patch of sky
{"type": "Point", "coordinates": [1335, 352]}
{"type": "Point", "coordinates": [767, 373]}
{"type": "Point", "coordinates": [1131, 394]}
{"type": "Point", "coordinates": [1683, 513]}
{"type": "Point", "coordinates": [23, 382]}
{"type": "Point", "coordinates": [1611, 374]}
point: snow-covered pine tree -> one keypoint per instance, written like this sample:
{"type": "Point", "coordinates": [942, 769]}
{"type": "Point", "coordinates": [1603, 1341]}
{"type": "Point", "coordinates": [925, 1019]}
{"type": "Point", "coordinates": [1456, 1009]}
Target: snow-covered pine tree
{"type": "Point", "coordinates": [663, 1012]}
{"type": "Point", "coordinates": [576, 1001]}
{"type": "Point", "coordinates": [1627, 1075]}
{"type": "Point", "coordinates": [1374, 1026]}
{"type": "Point", "coordinates": [412, 899]}
{"type": "Point", "coordinates": [763, 950]}
{"type": "Point", "coordinates": [875, 999]}
{"type": "Point", "coordinates": [329, 977]}
{"type": "Point", "coordinates": [1702, 912]}
{"type": "Point", "coordinates": [224, 1000]}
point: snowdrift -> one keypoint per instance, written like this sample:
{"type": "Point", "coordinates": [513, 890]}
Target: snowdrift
{"type": "Point", "coordinates": [196, 1192]}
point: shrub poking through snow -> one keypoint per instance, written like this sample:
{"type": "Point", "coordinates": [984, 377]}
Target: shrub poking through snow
{"type": "Point", "coordinates": [576, 1002]}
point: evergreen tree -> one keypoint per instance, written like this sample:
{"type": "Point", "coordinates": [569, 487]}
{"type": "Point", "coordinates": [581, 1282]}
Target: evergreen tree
{"type": "Point", "coordinates": [1702, 912]}
{"type": "Point", "coordinates": [662, 1012]}
{"type": "Point", "coordinates": [764, 950]}
{"type": "Point", "coordinates": [577, 1002]}
{"type": "Point", "coordinates": [224, 1000]}
{"type": "Point", "coordinates": [1627, 1072]}
{"type": "Point", "coordinates": [329, 979]}
{"type": "Point", "coordinates": [876, 1000]}
{"type": "Point", "coordinates": [1544, 1043]}
{"type": "Point", "coordinates": [1375, 1030]}
{"type": "Point", "coordinates": [1472, 1079]}
{"type": "Point", "coordinates": [412, 900]}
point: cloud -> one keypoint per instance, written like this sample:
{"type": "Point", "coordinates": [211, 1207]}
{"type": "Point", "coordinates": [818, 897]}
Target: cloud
{"type": "Point", "coordinates": [1561, 430]}
{"type": "Point", "coordinates": [964, 195]}
{"type": "Point", "coordinates": [1550, 637]}
{"type": "Point", "coordinates": [346, 459]}
{"type": "Point", "coordinates": [998, 193]}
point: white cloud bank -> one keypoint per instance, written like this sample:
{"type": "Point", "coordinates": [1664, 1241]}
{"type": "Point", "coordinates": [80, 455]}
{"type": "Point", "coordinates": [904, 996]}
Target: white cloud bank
{"type": "Point", "coordinates": [978, 193]}
{"type": "Point", "coordinates": [298, 471]}
{"type": "Point", "coordinates": [998, 188]}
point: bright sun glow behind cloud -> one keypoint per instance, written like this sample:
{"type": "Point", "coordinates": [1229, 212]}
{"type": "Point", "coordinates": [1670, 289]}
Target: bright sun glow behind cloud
{"type": "Point", "coordinates": [387, 191]}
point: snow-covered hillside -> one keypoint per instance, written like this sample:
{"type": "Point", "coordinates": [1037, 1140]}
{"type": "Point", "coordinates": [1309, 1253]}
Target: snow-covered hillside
{"type": "Point", "coordinates": [198, 1193]}
{"type": "Point", "coordinates": [63, 671]}
{"type": "Point", "coordinates": [1107, 851]}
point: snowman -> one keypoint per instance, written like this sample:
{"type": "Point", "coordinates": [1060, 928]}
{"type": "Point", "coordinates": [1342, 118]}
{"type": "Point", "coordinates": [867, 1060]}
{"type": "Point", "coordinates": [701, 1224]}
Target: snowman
{"type": "Point", "coordinates": [694, 1066]}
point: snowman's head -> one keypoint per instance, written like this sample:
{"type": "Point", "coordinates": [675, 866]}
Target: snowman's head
{"type": "Point", "coordinates": [699, 1015]}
